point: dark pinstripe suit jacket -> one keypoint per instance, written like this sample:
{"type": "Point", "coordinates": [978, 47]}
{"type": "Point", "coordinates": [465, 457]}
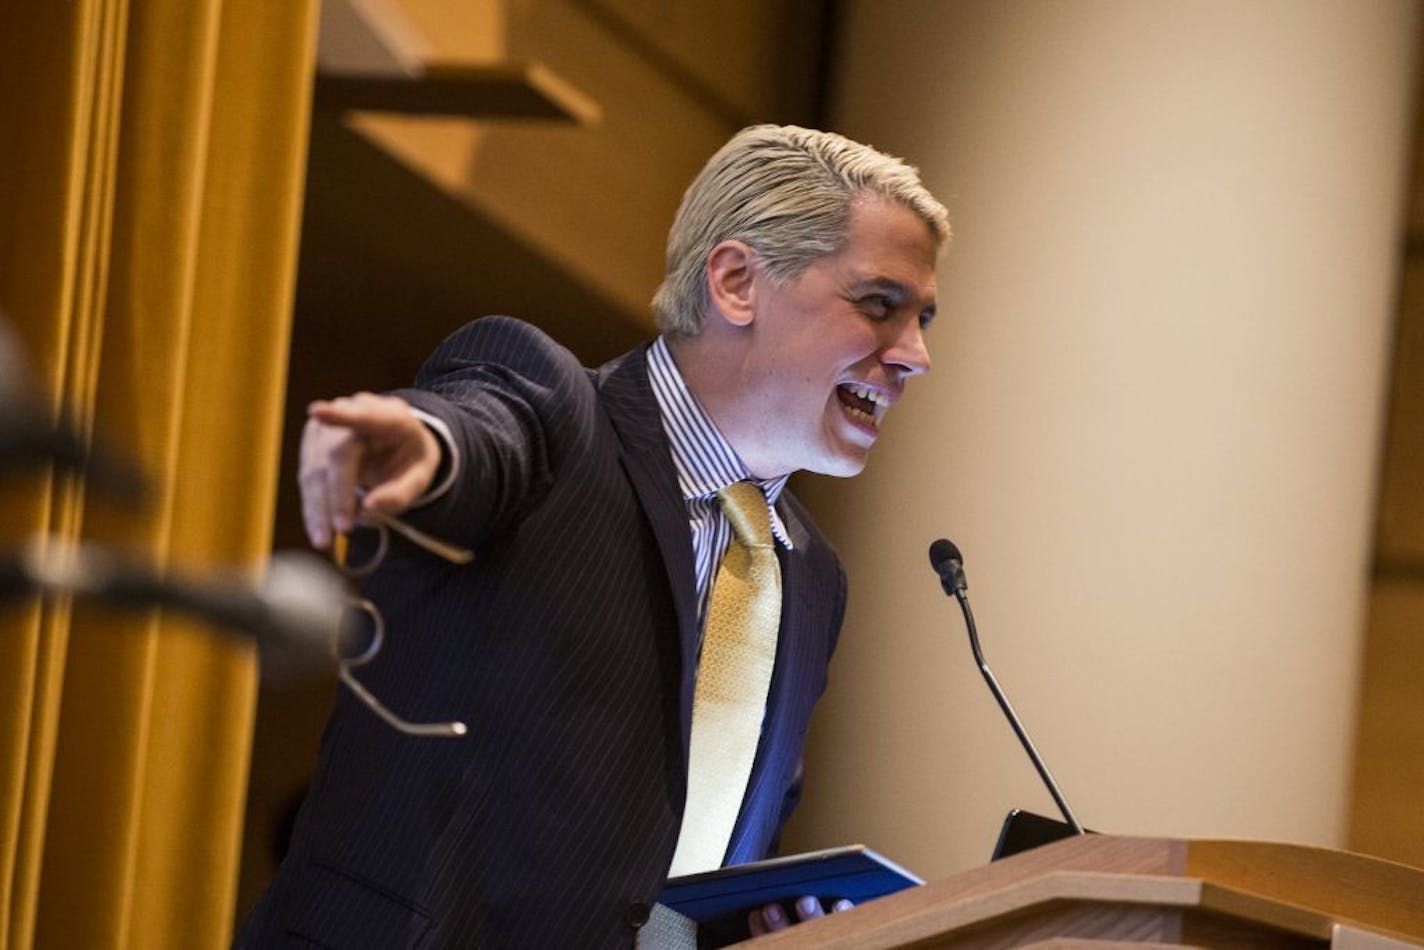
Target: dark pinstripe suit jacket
{"type": "Point", "coordinates": [569, 647]}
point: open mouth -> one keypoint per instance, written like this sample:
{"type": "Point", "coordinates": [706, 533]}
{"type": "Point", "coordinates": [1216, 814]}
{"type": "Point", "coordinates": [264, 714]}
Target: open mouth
{"type": "Point", "coordinates": [862, 403]}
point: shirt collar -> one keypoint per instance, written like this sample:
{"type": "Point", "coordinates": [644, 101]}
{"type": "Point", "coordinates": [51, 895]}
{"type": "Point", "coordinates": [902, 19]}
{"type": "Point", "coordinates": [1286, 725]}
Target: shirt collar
{"type": "Point", "coordinates": [704, 460]}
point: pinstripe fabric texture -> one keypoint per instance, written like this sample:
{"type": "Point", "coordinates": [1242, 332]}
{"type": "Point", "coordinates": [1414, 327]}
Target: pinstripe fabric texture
{"type": "Point", "coordinates": [568, 646]}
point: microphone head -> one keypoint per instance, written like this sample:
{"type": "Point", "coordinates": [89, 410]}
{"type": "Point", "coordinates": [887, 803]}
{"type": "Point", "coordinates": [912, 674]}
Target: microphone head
{"type": "Point", "coordinates": [303, 598]}
{"type": "Point", "coordinates": [29, 437]}
{"type": "Point", "coordinates": [942, 552]}
{"type": "Point", "coordinates": [949, 565]}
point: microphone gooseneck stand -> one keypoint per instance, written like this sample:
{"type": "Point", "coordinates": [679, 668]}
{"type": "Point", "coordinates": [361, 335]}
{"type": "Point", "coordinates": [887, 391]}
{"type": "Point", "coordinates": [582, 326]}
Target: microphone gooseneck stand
{"type": "Point", "coordinates": [949, 565]}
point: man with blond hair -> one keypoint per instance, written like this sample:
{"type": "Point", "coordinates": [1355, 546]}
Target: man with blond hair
{"type": "Point", "coordinates": [646, 624]}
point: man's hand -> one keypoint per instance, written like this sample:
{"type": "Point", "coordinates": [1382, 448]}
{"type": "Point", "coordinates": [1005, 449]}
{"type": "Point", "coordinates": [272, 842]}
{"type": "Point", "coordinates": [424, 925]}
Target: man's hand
{"type": "Point", "coordinates": [773, 917]}
{"type": "Point", "coordinates": [365, 441]}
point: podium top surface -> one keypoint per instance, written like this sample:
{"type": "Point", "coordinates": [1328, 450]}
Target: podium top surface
{"type": "Point", "coordinates": [1296, 887]}
{"type": "Point", "coordinates": [1350, 887]}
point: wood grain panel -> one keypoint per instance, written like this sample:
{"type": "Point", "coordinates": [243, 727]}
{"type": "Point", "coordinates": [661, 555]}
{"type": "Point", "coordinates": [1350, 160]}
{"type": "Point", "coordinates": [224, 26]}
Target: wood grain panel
{"type": "Point", "coordinates": [1401, 515]}
{"type": "Point", "coordinates": [1388, 812]}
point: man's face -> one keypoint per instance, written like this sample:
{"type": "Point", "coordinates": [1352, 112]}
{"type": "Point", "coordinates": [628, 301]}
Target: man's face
{"type": "Point", "coordinates": [835, 347]}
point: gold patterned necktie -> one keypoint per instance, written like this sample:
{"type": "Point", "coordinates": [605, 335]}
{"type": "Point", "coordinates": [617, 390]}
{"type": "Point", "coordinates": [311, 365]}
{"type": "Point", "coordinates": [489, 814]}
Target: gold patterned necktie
{"type": "Point", "coordinates": [733, 675]}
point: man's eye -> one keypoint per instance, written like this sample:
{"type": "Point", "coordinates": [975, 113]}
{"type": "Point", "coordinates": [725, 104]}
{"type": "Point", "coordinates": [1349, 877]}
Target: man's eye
{"type": "Point", "coordinates": [877, 305]}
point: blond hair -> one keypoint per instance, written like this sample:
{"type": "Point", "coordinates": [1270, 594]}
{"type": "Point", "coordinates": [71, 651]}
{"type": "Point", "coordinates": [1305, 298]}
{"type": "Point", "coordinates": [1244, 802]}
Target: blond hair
{"type": "Point", "coordinates": [787, 193]}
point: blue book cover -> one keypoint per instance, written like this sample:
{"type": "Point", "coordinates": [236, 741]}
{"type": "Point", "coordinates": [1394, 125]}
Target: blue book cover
{"type": "Point", "coordinates": [853, 872]}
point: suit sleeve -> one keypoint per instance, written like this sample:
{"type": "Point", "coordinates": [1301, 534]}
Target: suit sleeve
{"type": "Point", "coordinates": [519, 409]}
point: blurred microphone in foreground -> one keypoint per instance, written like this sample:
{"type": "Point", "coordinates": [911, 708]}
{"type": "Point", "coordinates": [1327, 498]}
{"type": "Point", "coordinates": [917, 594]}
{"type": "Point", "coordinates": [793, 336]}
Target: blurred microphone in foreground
{"type": "Point", "coordinates": [29, 438]}
{"type": "Point", "coordinates": [295, 613]}
{"type": "Point", "coordinates": [300, 616]}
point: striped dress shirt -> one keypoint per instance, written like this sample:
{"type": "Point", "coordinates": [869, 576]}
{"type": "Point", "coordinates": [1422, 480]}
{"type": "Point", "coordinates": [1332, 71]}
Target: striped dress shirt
{"type": "Point", "coordinates": [705, 463]}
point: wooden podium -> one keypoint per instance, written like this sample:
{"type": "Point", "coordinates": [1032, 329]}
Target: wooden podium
{"type": "Point", "coordinates": [1104, 891]}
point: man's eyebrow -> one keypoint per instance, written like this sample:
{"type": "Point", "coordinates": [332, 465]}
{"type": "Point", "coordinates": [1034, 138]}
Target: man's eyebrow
{"type": "Point", "coordinates": [886, 285]}
{"type": "Point", "coordinates": [897, 291]}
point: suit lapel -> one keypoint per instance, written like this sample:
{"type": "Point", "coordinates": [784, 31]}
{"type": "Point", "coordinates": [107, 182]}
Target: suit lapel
{"type": "Point", "coordinates": [628, 398]}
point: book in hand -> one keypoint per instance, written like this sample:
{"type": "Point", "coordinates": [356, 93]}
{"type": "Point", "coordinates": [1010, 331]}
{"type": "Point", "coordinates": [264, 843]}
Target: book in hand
{"type": "Point", "coordinates": [852, 872]}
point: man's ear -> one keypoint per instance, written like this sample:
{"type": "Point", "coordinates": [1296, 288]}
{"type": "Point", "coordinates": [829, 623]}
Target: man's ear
{"type": "Point", "coordinates": [731, 272]}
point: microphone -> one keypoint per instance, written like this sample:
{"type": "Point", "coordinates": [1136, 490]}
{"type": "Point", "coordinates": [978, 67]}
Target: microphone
{"type": "Point", "coordinates": [296, 612]}
{"type": "Point", "coordinates": [27, 442]}
{"type": "Point", "coordinates": [948, 563]}
{"type": "Point", "coordinates": [29, 439]}
{"type": "Point", "coordinates": [300, 616]}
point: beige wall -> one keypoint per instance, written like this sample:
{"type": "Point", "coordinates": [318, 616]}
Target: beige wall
{"type": "Point", "coordinates": [1153, 423]}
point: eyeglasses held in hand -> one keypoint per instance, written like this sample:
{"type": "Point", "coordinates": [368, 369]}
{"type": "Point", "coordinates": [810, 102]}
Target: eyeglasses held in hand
{"type": "Point", "coordinates": [382, 525]}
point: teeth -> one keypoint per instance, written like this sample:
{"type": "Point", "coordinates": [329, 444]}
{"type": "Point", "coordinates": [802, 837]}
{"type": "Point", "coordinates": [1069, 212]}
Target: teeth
{"type": "Point", "coordinates": [860, 415]}
{"type": "Point", "coordinates": [864, 392]}
{"type": "Point", "coordinates": [878, 400]}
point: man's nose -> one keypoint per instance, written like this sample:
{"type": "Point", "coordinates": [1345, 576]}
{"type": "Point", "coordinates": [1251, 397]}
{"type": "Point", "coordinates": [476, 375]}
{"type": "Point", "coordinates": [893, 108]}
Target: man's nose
{"type": "Point", "coordinates": [908, 351]}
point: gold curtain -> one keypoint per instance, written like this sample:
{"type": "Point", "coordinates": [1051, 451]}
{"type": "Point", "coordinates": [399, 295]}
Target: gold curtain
{"type": "Point", "coordinates": [150, 189]}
